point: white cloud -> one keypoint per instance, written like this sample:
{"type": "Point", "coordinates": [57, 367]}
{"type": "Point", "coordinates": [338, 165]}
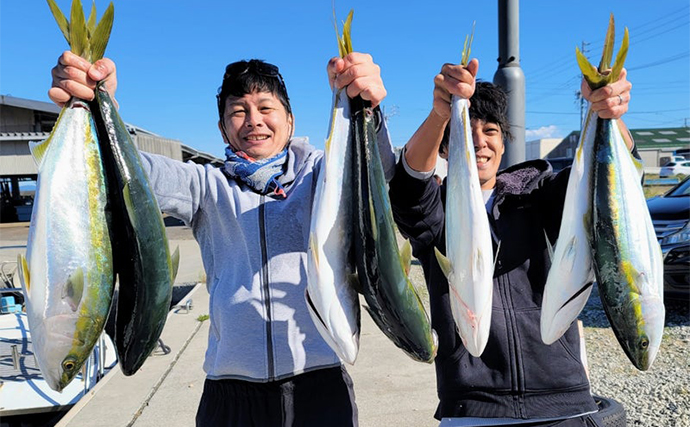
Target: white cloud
{"type": "Point", "coordinates": [550, 131]}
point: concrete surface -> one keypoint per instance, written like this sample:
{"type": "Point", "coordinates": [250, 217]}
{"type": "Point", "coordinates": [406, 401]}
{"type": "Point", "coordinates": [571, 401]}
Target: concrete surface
{"type": "Point", "coordinates": [390, 388]}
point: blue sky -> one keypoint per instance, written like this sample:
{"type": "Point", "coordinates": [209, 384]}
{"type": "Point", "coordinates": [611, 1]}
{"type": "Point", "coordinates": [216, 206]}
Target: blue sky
{"type": "Point", "coordinates": [171, 57]}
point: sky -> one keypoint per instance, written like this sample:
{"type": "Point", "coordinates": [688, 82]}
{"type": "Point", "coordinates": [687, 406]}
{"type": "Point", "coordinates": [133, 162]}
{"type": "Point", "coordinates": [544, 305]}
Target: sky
{"type": "Point", "coordinates": [171, 56]}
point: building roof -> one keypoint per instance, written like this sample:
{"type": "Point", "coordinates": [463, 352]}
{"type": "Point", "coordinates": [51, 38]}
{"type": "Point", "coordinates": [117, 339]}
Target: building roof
{"type": "Point", "coordinates": [648, 139]}
{"type": "Point", "coordinates": [29, 104]}
{"type": "Point", "coordinates": [661, 138]}
{"type": "Point", "coordinates": [188, 153]}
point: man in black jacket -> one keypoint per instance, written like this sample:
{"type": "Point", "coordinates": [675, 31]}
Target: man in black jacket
{"type": "Point", "coordinates": [518, 380]}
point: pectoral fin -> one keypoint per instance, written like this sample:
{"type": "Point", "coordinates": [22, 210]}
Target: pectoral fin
{"type": "Point", "coordinates": [175, 261]}
{"type": "Point", "coordinates": [444, 263]}
{"type": "Point", "coordinates": [74, 288]}
{"type": "Point", "coordinates": [406, 256]}
{"type": "Point", "coordinates": [353, 281]}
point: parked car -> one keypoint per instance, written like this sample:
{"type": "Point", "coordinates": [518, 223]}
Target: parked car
{"type": "Point", "coordinates": [675, 168]}
{"type": "Point", "coordinates": [670, 214]}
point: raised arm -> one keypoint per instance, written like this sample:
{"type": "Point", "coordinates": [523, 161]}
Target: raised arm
{"type": "Point", "coordinates": [422, 149]}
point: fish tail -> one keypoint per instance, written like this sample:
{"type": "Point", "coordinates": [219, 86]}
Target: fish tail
{"type": "Point", "coordinates": [86, 39]}
{"type": "Point", "coordinates": [599, 77]}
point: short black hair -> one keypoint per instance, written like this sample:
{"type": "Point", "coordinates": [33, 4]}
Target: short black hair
{"type": "Point", "coordinates": [255, 75]}
{"type": "Point", "coordinates": [488, 104]}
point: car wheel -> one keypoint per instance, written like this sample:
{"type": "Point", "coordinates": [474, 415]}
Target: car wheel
{"type": "Point", "coordinates": [611, 413]}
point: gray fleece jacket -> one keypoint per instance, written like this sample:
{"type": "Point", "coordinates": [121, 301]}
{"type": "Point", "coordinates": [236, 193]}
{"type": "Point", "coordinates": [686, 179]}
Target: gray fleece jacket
{"type": "Point", "coordinates": [254, 250]}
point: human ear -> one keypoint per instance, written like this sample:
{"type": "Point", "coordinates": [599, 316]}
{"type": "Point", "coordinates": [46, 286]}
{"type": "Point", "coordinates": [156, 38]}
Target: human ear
{"type": "Point", "coordinates": [221, 128]}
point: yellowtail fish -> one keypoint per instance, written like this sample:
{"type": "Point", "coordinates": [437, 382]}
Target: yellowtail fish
{"type": "Point", "coordinates": [143, 264]}
{"type": "Point", "coordinates": [468, 260]}
{"type": "Point", "coordinates": [627, 258]}
{"type": "Point", "coordinates": [331, 297]}
{"type": "Point", "coordinates": [382, 268]}
{"type": "Point", "coordinates": [67, 274]}
{"type": "Point", "coordinates": [570, 278]}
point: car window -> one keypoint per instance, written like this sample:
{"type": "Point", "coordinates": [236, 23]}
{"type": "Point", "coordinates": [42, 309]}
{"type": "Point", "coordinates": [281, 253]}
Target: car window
{"type": "Point", "coordinates": [682, 190]}
{"type": "Point", "coordinates": [685, 164]}
{"type": "Point", "coordinates": [670, 164]}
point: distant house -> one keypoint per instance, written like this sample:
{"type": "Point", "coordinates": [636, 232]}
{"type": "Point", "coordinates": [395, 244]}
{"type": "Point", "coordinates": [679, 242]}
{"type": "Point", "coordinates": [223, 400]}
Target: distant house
{"type": "Point", "coordinates": [655, 146]}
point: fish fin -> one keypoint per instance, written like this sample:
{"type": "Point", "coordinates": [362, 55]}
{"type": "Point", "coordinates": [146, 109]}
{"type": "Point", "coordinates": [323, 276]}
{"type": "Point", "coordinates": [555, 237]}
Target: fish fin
{"type": "Point", "coordinates": [498, 248]}
{"type": "Point", "coordinates": [347, 39]}
{"type": "Point", "coordinates": [467, 48]}
{"type": "Point", "coordinates": [24, 277]}
{"type": "Point", "coordinates": [78, 38]}
{"type": "Point", "coordinates": [175, 264]}
{"type": "Point", "coordinates": [74, 288]}
{"type": "Point", "coordinates": [607, 53]}
{"type": "Point", "coordinates": [594, 76]}
{"type": "Point", "coordinates": [344, 41]}
{"type": "Point", "coordinates": [632, 275]}
{"type": "Point", "coordinates": [620, 57]}
{"type": "Point", "coordinates": [38, 149]}
{"type": "Point", "coordinates": [639, 167]}
{"type": "Point", "coordinates": [444, 263]}
{"type": "Point", "coordinates": [589, 71]}
{"type": "Point", "coordinates": [313, 248]}
{"type": "Point", "coordinates": [101, 35]}
{"type": "Point", "coordinates": [91, 22]}
{"type": "Point", "coordinates": [549, 246]}
{"type": "Point", "coordinates": [353, 281]}
{"type": "Point", "coordinates": [406, 256]}
{"type": "Point", "coordinates": [60, 19]}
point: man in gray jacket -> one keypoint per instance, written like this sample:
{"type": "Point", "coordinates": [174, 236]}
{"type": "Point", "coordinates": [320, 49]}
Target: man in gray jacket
{"type": "Point", "coordinates": [266, 363]}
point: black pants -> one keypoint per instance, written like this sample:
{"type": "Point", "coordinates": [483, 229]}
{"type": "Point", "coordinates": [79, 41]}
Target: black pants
{"type": "Point", "coordinates": [324, 397]}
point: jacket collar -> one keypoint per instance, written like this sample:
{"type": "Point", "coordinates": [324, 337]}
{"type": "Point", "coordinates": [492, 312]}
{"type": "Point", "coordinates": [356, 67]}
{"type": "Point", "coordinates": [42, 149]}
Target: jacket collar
{"type": "Point", "coordinates": [522, 178]}
{"type": "Point", "coordinates": [299, 151]}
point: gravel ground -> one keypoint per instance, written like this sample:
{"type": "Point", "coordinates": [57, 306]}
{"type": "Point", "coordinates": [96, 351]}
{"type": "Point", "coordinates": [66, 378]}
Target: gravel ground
{"type": "Point", "coordinates": [659, 397]}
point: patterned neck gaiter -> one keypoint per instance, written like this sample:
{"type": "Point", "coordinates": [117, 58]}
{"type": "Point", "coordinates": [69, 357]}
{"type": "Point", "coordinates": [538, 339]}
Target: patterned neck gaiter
{"type": "Point", "coordinates": [261, 175]}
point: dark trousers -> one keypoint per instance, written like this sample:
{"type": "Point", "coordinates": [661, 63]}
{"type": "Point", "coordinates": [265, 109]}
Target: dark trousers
{"type": "Point", "coordinates": [324, 397]}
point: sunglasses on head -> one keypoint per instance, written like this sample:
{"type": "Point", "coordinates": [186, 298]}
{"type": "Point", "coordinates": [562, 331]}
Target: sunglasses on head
{"type": "Point", "coordinates": [261, 68]}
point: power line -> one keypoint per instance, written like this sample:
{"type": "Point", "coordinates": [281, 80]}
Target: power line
{"type": "Point", "coordinates": [661, 62]}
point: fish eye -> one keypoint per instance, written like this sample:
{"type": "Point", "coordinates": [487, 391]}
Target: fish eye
{"type": "Point", "coordinates": [644, 343]}
{"type": "Point", "coordinates": [68, 365]}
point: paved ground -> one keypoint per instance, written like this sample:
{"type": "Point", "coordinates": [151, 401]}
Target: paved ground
{"type": "Point", "coordinates": [391, 389]}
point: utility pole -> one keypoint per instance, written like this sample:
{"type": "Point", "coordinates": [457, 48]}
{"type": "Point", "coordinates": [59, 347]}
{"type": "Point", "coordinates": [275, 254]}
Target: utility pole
{"type": "Point", "coordinates": [511, 78]}
{"type": "Point", "coordinates": [579, 92]}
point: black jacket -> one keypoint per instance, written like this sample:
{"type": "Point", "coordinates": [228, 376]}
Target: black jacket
{"type": "Point", "coordinates": [517, 376]}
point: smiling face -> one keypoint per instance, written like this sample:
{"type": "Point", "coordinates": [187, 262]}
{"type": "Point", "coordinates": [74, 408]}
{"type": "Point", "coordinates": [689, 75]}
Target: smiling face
{"type": "Point", "coordinates": [257, 124]}
{"type": "Point", "coordinates": [488, 149]}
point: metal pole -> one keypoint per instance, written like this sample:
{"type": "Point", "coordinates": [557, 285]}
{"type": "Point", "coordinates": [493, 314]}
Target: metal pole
{"type": "Point", "coordinates": [510, 77]}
